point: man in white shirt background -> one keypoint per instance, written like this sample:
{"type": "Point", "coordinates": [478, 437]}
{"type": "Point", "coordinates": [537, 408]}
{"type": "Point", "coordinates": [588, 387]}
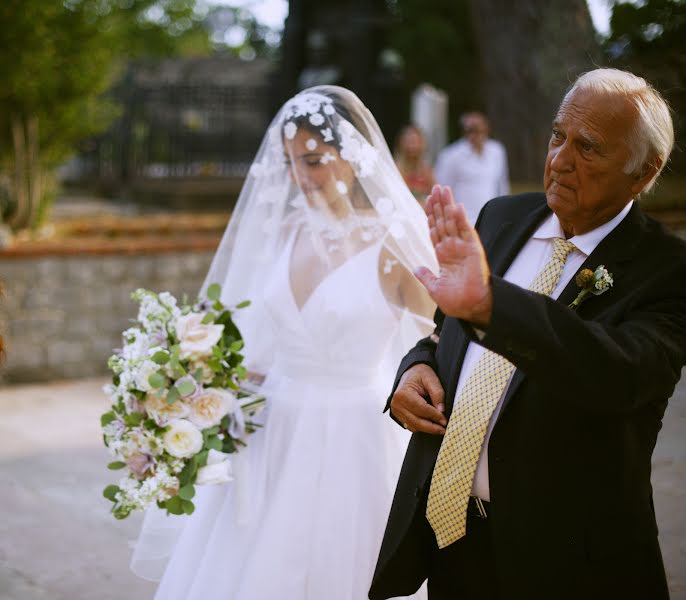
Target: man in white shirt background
{"type": "Point", "coordinates": [475, 166]}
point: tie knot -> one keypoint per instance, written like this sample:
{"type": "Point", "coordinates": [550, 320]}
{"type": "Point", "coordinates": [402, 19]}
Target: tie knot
{"type": "Point", "coordinates": [561, 248]}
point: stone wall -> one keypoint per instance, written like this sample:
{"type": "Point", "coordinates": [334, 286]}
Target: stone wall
{"type": "Point", "coordinates": [63, 314]}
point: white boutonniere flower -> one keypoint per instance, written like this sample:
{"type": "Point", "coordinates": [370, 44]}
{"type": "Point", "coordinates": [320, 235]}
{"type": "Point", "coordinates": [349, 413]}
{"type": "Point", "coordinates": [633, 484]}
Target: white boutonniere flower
{"type": "Point", "coordinates": [592, 283]}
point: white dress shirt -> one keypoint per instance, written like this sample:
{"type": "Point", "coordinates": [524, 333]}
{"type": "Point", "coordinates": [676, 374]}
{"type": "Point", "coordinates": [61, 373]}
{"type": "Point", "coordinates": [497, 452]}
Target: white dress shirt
{"type": "Point", "coordinates": [474, 178]}
{"type": "Point", "coordinates": [523, 270]}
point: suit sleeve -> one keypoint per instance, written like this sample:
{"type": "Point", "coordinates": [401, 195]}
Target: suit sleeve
{"type": "Point", "coordinates": [587, 364]}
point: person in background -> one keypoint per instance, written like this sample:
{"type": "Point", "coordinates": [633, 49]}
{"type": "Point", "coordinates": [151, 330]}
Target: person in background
{"type": "Point", "coordinates": [475, 166]}
{"type": "Point", "coordinates": [410, 149]}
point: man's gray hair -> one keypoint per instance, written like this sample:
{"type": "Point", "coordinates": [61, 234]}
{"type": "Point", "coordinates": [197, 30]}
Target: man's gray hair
{"type": "Point", "coordinates": [652, 137]}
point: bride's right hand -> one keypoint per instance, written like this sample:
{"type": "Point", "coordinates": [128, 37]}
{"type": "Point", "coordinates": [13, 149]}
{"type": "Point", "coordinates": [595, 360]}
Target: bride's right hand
{"type": "Point", "coordinates": [418, 401]}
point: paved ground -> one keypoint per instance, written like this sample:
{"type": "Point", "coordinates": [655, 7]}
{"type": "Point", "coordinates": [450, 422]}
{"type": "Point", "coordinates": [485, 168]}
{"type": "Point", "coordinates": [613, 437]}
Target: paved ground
{"type": "Point", "coordinates": [58, 541]}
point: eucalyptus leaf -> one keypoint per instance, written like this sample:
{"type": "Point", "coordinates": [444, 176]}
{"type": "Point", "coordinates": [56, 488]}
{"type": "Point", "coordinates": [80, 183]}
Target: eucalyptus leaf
{"type": "Point", "coordinates": [213, 443]}
{"type": "Point", "coordinates": [173, 395]}
{"type": "Point", "coordinates": [187, 492]}
{"type": "Point", "coordinates": [110, 492]}
{"type": "Point", "coordinates": [161, 358]}
{"type": "Point", "coordinates": [188, 507]}
{"type": "Point", "coordinates": [174, 505]}
{"type": "Point", "coordinates": [243, 304]}
{"type": "Point", "coordinates": [186, 388]}
{"type": "Point", "coordinates": [189, 471]}
{"type": "Point", "coordinates": [156, 380]}
{"type": "Point", "coordinates": [201, 457]}
{"type": "Point", "coordinates": [116, 465]}
{"type": "Point", "coordinates": [214, 291]}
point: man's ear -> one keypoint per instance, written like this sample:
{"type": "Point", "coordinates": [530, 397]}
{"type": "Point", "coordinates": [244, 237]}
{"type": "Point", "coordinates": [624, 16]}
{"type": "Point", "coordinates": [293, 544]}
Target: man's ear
{"type": "Point", "coordinates": [645, 175]}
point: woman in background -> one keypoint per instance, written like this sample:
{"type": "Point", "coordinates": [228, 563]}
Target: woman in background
{"type": "Point", "coordinates": [410, 149]}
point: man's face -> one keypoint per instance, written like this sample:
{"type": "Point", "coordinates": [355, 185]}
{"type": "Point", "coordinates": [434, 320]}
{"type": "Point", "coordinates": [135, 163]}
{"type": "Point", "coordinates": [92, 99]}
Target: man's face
{"type": "Point", "coordinates": [476, 130]}
{"type": "Point", "coordinates": [584, 180]}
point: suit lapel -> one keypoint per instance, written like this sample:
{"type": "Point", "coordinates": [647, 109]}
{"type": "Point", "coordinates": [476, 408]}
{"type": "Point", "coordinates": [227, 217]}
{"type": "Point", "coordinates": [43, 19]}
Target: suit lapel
{"type": "Point", "coordinates": [614, 251]}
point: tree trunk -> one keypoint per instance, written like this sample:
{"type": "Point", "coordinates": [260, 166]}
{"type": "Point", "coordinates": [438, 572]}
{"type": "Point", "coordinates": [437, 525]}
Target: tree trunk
{"type": "Point", "coordinates": [530, 51]}
{"type": "Point", "coordinates": [27, 182]}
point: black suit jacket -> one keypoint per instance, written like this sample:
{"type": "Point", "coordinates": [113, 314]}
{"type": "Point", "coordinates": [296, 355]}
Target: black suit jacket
{"type": "Point", "coordinates": [569, 457]}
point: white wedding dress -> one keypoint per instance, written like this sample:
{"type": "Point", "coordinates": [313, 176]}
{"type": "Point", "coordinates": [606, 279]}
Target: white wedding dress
{"type": "Point", "coordinates": [320, 476]}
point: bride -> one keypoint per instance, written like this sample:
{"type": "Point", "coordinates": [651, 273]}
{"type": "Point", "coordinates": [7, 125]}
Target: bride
{"type": "Point", "coordinates": [323, 241]}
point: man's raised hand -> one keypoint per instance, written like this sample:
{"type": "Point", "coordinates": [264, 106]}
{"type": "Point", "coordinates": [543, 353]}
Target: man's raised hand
{"type": "Point", "coordinates": [461, 288]}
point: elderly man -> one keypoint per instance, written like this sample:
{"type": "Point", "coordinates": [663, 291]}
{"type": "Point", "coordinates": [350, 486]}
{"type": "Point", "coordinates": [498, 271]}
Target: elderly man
{"type": "Point", "coordinates": [475, 166]}
{"type": "Point", "coordinates": [536, 404]}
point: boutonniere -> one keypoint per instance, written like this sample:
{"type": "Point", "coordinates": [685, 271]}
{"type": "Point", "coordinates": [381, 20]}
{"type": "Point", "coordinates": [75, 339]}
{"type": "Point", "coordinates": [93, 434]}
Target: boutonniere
{"type": "Point", "coordinates": [592, 282]}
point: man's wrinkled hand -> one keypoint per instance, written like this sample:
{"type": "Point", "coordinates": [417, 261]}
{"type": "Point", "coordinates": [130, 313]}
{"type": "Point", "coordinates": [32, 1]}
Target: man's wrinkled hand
{"type": "Point", "coordinates": [418, 402]}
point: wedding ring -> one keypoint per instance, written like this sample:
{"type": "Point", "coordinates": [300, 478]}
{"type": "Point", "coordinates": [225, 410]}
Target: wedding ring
{"type": "Point", "coordinates": [405, 425]}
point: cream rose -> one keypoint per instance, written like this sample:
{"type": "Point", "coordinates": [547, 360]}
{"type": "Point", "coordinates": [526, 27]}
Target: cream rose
{"type": "Point", "coordinates": [210, 406]}
{"type": "Point", "coordinates": [163, 412]}
{"type": "Point", "coordinates": [217, 470]}
{"type": "Point", "coordinates": [182, 439]}
{"type": "Point", "coordinates": [195, 338]}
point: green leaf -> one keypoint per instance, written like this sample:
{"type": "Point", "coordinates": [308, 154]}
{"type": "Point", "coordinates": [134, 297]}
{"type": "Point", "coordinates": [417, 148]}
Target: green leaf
{"type": "Point", "coordinates": [241, 372]}
{"type": "Point", "coordinates": [174, 505]}
{"type": "Point", "coordinates": [186, 388]}
{"type": "Point", "coordinates": [214, 291]}
{"type": "Point", "coordinates": [134, 419]}
{"type": "Point", "coordinates": [116, 465]}
{"type": "Point", "coordinates": [201, 457]}
{"type": "Point", "coordinates": [236, 346]}
{"type": "Point", "coordinates": [172, 395]}
{"type": "Point", "coordinates": [189, 471]}
{"type": "Point", "coordinates": [207, 319]}
{"type": "Point", "coordinates": [243, 304]}
{"type": "Point", "coordinates": [213, 443]}
{"type": "Point", "coordinates": [187, 506]}
{"type": "Point", "coordinates": [198, 375]}
{"type": "Point", "coordinates": [187, 492]}
{"type": "Point", "coordinates": [161, 358]}
{"type": "Point", "coordinates": [110, 492]}
{"type": "Point", "coordinates": [107, 418]}
{"type": "Point", "coordinates": [156, 380]}
{"type": "Point", "coordinates": [211, 431]}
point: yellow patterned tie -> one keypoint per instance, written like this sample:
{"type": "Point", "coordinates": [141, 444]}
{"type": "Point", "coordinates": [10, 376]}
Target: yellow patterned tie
{"type": "Point", "coordinates": [451, 482]}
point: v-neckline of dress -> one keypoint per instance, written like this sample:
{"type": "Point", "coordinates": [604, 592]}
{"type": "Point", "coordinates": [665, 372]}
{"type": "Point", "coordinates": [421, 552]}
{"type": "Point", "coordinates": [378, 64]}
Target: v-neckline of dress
{"type": "Point", "coordinates": [289, 255]}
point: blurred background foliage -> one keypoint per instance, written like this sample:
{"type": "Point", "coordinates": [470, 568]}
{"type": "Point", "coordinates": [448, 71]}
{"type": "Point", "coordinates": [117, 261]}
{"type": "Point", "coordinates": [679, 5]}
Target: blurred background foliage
{"type": "Point", "coordinates": [59, 59]}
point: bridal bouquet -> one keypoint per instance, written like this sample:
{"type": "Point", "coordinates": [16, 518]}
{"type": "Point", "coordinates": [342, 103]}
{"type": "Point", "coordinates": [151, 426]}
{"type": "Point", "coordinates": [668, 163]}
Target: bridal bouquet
{"type": "Point", "coordinates": [179, 405]}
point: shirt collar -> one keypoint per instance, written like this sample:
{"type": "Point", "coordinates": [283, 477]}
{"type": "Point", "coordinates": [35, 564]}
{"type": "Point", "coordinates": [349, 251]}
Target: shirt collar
{"type": "Point", "coordinates": [587, 242]}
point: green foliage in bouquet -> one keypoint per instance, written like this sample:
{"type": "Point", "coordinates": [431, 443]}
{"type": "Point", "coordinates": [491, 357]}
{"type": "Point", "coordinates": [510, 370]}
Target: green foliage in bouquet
{"type": "Point", "coordinates": [179, 404]}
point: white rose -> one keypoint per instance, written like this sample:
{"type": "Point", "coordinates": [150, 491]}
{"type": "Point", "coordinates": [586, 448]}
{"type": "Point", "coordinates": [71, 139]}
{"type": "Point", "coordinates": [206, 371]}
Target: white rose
{"type": "Point", "coordinates": [182, 439]}
{"type": "Point", "coordinates": [163, 412]}
{"type": "Point", "coordinates": [210, 406]}
{"type": "Point", "coordinates": [217, 470]}
{"type": "Point", "coordinates": [196, 339]}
